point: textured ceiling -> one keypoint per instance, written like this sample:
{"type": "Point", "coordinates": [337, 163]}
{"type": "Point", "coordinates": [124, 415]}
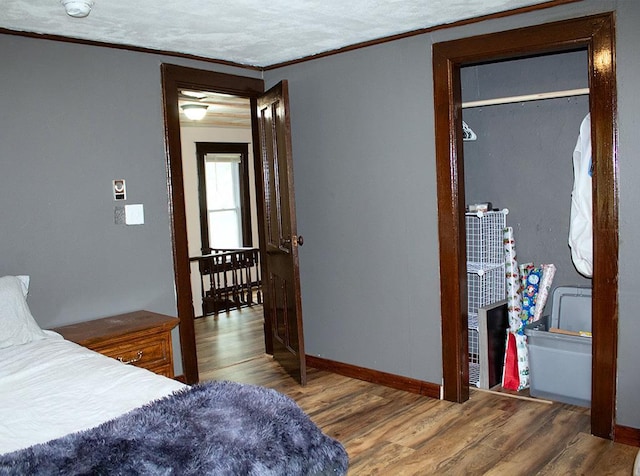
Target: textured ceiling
{"type": "Point", "coordinates": [248, 32]}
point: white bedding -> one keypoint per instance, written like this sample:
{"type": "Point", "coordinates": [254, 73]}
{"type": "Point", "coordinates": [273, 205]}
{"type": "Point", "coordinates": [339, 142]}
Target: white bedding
{"type": "Point", "coordinates": [51, 387]}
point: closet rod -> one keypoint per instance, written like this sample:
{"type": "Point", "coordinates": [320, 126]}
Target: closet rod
{"type": "Point", "coordinates": [527, 97]}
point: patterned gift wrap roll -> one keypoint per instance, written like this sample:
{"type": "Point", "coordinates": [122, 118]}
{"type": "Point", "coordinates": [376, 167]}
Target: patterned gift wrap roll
{"type": "Point", "coordinates": [548, 272]}
{"type": "Point", "coordinates": [524, 269]}
{"type": "Point", "coordinates": [511, 374]}
{"type": "Point", "coordinates": [514, 304]}
{"type": "Point", "coordinates": [530, 296]}
{"type": "Point", "coordinates": [523, 361]}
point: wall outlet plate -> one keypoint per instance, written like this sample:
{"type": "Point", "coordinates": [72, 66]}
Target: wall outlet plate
{"type": "Point", "coordinates": [119, 215]}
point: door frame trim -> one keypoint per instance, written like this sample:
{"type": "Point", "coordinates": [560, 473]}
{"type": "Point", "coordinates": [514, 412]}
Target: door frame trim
{"type": "Point", "coordinates": [596, 34]}
{"type": "Point", "coordinates": [173, 78]}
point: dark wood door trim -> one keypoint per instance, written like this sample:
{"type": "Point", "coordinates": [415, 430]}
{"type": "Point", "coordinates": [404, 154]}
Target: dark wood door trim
{"type": "Point", "coordinates": [173, 78]}
{"type": "Point", "coordinates": [597, 35]}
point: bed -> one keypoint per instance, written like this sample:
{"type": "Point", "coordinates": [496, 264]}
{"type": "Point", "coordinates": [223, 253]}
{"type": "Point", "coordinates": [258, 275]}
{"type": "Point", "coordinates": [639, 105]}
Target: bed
{"type": "Point", "coordinates": [65, 409]}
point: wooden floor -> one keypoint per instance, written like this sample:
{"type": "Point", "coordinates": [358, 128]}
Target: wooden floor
{"type": "Point", "coordinates": [391, 432]}
{"type": "Point", "coordinates": [228, 338]}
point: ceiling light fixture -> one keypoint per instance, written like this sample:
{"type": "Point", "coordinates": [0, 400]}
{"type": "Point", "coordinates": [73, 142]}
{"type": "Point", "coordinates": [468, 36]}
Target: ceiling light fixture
{"type": "Point", "coordinates": [77, 8]}
{"type": "Point", "coordinates": [195, 112]}
{"type": "Point", "coordinates": [194, 94]}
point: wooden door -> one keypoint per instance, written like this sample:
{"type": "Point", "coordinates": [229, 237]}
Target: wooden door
{"type": "Point", "coordinates": [280, 271]}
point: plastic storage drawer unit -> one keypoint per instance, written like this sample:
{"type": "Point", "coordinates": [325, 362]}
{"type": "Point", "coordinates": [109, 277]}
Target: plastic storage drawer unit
{"type": "Point", "coordinates": [560, 364]}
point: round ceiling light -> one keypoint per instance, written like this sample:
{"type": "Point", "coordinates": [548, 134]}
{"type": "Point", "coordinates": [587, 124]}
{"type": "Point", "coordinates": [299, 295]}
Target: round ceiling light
{"type": "Point", "coordinates": [195, 112]}
{"type": "Point", "coordinates": [77, 8]}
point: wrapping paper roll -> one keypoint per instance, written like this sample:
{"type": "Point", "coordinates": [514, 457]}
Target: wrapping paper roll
{"type": "Point", "coordinates": [523, 361]}
{"type": "Point", "coordinates": [531, 285]}
{"type": "Point", "coordinates": [524, 269]}
{"type": "Point", "coordinates": [548, 272]}
{"type": "Point", "coordinates": [515, 373]}
{"type": "Point", "coordinates": [514, 303]}
{"type": "Point", "coordinates": [527, 292]}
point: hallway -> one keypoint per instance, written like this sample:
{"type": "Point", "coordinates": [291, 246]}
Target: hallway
{"type": "Point", "coordinates": [228, 338]}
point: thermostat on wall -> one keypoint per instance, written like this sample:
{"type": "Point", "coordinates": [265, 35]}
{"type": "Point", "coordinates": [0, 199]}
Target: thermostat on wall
{"type": "Point", "coordinates": [119, 190]}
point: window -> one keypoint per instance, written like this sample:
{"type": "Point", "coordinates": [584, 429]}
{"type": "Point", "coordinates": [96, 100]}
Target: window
{"type": "Point", "coordinates": [225, 221]}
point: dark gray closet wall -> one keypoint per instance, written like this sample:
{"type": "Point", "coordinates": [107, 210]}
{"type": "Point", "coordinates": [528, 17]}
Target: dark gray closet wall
{"type": "Point", "coordinates": [522, 158]}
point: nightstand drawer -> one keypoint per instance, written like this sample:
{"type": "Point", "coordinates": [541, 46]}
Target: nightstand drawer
{"type": "Point", "coordinates": [145, 353]}
{"type": "Point", "coordinates": [139, 338]}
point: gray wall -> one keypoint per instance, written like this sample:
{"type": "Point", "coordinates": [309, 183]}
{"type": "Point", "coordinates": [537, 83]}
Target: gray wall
{"type": "Point", "coordinates": [628, 73]}
{"type": "Point", "coordinates": [74, 118]}
{"type": "Point", "coordinates": [522, 159]}
{"type": "Point", "coordinates": [366, 201]}
{"type": "Point", "coordinates": [363, 140]}
{"type": "Point", "coordinates": [363, 144]}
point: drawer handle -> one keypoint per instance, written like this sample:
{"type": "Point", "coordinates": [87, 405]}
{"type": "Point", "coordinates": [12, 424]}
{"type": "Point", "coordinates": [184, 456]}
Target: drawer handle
{"type": "Point", "coordinates": [132, 361]}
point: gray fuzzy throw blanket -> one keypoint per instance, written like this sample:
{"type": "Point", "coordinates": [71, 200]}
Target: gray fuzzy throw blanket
{"type": "Point", "coordinates": [216, 428]}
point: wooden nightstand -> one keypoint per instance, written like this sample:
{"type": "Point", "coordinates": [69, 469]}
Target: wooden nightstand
{"type": "Point", "coordinates": [139, 338]}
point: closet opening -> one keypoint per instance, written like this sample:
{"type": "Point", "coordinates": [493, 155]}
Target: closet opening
{"type": "Point", "coordinates": [590, 41]}
{"type": "Point", "coordinates": [525, 116]}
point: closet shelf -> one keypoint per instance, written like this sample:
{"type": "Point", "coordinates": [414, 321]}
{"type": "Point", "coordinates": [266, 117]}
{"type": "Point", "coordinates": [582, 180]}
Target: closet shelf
{"type": "Point", "coordinates": [526, 97]}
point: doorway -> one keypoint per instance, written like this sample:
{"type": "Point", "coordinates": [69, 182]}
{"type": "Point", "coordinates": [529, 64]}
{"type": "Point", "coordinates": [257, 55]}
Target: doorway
{"type": "Point", "coordinates": [175, 79]}
{"type": "Point", "coordinates": [596, 34]}
{"type": "Point", "coordinates": [222, 229]}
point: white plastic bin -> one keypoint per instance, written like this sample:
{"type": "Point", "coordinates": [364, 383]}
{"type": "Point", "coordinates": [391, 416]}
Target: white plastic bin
{"type": "Point", "coordinates": [559, 364]}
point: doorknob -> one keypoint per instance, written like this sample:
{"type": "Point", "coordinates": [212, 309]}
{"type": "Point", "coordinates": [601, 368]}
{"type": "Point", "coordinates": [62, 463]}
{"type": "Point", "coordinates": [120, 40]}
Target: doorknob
{"type": "Point", "coordinates": [297, 239]}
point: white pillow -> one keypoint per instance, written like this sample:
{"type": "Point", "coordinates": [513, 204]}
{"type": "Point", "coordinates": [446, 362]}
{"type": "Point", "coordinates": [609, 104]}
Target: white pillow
{"type": "Point", "coordinates": [24, 281]}
{"type": "Point", "coordinates": [17, 325]}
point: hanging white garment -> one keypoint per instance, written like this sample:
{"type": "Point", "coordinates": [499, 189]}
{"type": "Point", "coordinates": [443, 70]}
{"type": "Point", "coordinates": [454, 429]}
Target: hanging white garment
{"type": "Point", "coordinates": [581, 227]}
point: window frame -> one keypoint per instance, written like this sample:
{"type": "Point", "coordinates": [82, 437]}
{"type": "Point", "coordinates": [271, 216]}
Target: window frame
{"type": "Point", "coordinates": [204, 148]}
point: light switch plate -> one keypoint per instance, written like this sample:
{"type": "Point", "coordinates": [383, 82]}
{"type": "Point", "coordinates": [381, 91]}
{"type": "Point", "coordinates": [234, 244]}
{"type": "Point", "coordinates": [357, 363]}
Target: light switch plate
{"type": "Point", "coordinates": [134, 214]}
